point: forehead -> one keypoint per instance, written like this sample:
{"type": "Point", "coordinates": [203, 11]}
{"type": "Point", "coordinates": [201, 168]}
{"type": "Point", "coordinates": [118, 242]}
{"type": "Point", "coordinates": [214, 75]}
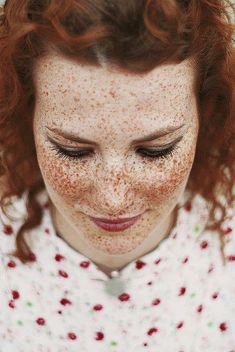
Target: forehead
{"type": "Point", "coordinates": [55, 74]}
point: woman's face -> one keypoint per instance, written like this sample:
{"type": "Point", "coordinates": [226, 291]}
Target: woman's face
{"type": "Point", "coordinates": [114, 113]}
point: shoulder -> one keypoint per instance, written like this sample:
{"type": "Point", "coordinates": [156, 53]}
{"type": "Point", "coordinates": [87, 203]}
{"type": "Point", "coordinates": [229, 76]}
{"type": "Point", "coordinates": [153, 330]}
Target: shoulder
{"type": "Point", "coordinates": [17, 211]}
{"type": "Point", "coordinates": [221, 244]}
{"type": "Point", "coordinates": [195, 219]}
{"type": "Point", "coordinates": [11, 222]}
{"type": "Point", "coordinates": [229, 236]}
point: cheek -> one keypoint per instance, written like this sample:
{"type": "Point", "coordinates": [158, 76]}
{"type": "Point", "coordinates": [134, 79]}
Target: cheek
{"type": "Point", "coordinates": [167, 179]}
{"type": "Point", "coordinates": [165, 188]}
{"type": "Point", "coordinates": [68, 181]}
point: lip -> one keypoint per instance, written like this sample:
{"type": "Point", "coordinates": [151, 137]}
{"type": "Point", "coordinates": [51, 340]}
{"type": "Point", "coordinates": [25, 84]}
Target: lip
{"type": "Point", "coordinates": [114, 221]}
{"type": "Point", "coordinates": [117, 224]}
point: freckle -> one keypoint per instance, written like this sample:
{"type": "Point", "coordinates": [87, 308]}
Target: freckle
{"type": "Point", "coordinates": [112, 93]}
{"type": "Point", "coordinates": [76, 99]}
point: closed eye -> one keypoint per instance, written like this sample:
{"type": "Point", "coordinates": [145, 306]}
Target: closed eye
{"type": "Point", "coordinates": [148, 153]}
{"type": "Point", "coordinates": [71, 154]}
{"type": "Point", "coordinates": [155, 153]}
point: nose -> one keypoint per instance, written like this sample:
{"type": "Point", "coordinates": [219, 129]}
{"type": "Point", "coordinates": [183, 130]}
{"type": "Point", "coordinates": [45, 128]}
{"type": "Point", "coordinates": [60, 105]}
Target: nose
{"type": "Point", "coordinates": [113, 191]}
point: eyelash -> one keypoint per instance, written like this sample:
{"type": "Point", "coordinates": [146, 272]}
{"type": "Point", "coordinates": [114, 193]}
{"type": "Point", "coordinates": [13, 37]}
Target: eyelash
{"type": "Point", "coordinates": [146, 153]}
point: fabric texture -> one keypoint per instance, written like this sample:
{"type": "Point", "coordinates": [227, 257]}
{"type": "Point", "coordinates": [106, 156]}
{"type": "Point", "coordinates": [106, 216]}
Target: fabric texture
{"type": "Point", "coordinates": [177, 298]}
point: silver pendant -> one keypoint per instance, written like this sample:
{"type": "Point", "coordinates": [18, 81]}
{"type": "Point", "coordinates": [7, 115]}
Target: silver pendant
{"type": "Point", "coordinates": [115, 286]}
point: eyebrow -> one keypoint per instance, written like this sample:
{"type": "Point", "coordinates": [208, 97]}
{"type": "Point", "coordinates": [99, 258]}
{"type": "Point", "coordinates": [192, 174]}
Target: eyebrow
{"type": "Point", "coordinates": [157, 134]}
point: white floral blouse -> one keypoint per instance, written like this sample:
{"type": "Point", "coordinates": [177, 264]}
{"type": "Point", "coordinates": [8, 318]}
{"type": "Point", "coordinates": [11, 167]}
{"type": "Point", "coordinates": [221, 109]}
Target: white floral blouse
{"type": "Point", "coordinates": [177, 298]}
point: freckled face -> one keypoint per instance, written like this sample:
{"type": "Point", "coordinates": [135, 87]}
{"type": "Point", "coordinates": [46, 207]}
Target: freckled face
{"type": "Point", "coordinates": [114, 179]}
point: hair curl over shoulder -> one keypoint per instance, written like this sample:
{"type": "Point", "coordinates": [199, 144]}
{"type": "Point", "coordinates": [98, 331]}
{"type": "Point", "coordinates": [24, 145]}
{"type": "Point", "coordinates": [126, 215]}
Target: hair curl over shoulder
{"type": "Point", "coordinates": [135, 36]}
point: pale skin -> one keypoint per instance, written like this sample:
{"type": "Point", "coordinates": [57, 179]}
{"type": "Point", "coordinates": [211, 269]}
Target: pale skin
{"type": "Point", "coordinates": [112, 109]}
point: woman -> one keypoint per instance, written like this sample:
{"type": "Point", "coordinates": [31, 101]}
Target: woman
{"type": "Point", "coordinates": [117, 139]}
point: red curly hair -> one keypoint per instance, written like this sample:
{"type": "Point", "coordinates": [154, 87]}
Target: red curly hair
{"type": "Point", "coordinates": [135, 36]}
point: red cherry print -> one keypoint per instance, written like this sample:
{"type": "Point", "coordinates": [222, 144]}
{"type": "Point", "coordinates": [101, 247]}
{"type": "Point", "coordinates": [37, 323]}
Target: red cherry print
{"type": "Point", "coordinates": [47, 231]}
{"type": "Point", "coordinates": [32, 257]}
{"type": "Point", "coordinates": [227, 230]}
{"type": "Point", "coordinates": [149, 283]}
{"type": "Point", "coordinates": [7, 229]}
{"type": "Point", "coordinates": [231, 258]}
{"type": "Point", "coordinates": [15, 294]}
{"type": "Point", "coordinates": [223, 326]}
{"type": "Point", "coordinates": [124, 297]}
{"type": "Point", "coordinates": [59, 257]}
{"type": "Point", "coordinates": [215, 295]}
{"type": "Point", "coordinates": [85, 264]}
{"type": "Point", "coordinates": [204, 244]}
{"type": "Point", "coordinates": [156, 301]}
{"type": "Point", "coordinates": [65, 301]}
{"type": "Point", "coordinates": [40, 321]}
{"type": "Point", "coordinates": [11, 304]}
{"type": "Point", "coordinates": [45, 205]}
{"type": "Point", "coordinates": [59, 311]}
{"type": "Point", "coordinates": [180, 324]}
{"type": "Point", "coordinates": [139, 264]}
{"type": "Point", "coordinates": [72, 336]}
{"type": "Point", "coordinates": [11, 264]}
{"type": "Point", "coordinates": [188, 205]}
{"type": "Point", "coordinates": [98, 307]}
{"type": "Point", "coordinates": [63, 273]}
{"type": "Point", "coordinates": [152, 331]}
{"type": "Point", "coordinates": [99, 336]}
{"type": "Point", "coordinates": [145, 344]}
{"type": "Point", "coordinates": [182, 291]}
{"type": "Point", "coordinates": [157, 261]}
{"type": "Point", "coordinates": [185, 260]}
{"type": "Point", "coordinates": [200, 308]}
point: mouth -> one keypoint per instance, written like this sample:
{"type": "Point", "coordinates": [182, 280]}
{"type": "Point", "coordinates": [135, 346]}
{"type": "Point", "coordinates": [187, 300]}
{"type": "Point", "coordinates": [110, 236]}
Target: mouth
{"type": "Point", "coordinates": [117, 224]}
